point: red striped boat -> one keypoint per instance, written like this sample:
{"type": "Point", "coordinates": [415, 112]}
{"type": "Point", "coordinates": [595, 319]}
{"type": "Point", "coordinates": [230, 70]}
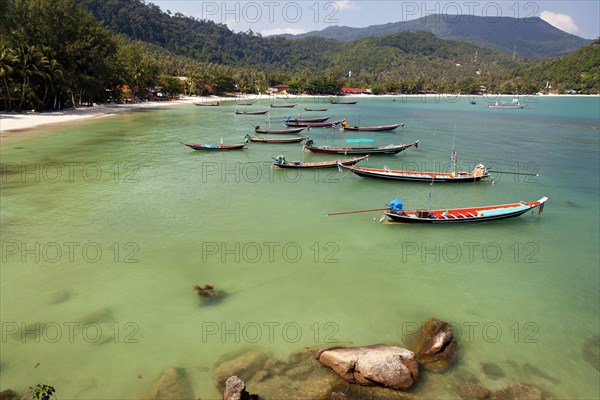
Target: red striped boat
{"type": "Point", "coordinates": [214, 147]}
{"type": "Point", "coordinates": [469, 214]}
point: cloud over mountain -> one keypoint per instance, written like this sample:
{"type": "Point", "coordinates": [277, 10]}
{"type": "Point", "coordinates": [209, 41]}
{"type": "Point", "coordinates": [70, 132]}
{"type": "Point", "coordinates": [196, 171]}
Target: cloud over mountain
{"type": "Point", "coordinates": [563, 22]}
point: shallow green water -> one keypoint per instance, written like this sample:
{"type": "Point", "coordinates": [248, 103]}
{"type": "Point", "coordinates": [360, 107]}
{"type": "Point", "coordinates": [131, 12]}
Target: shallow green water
{"type": "Point", "coordinates": [107, 225]}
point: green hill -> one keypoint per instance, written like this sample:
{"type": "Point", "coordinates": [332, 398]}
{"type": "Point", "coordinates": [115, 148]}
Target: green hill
{"type": "Point", "coordinates": [527, 37]}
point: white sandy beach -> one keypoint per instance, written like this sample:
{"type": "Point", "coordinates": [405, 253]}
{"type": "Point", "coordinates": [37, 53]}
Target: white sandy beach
{"type": "Point", "coordinates": [11, 122]}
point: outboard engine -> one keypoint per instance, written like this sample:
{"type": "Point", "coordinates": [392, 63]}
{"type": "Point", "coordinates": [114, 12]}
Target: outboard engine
{"type": "Point", "coordinates": [480, 170]}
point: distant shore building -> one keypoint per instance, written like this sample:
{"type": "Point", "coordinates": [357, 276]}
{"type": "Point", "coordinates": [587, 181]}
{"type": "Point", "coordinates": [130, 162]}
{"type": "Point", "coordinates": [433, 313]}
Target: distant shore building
{"type": "Point", "coordinates": [348, 90]}
{"type": "Point", "coordinates": [281, 89]}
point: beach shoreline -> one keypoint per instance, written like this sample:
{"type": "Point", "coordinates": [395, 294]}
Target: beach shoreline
{"type": "Point", "coordinates": [13, 124]}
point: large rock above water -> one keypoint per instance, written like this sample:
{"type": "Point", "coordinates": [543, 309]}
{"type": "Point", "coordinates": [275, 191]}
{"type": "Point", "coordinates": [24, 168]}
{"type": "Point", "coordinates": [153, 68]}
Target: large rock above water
{"type": "Point", "coordinates": [390, 366]}
{"type": "Point", "coordinates": [235, 389]}
{"type": "Point", "coordinates": [434, 345]}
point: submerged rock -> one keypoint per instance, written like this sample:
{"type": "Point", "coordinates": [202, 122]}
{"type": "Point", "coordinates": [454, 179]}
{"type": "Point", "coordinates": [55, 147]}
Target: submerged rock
{"type": "Point", "coordinates": [171, 385]}
{"type": "Point", "coordinates": [529, 369]}
{"type": "Point", "coordinates": [299, 378]}
{"type": "Point", "coordinates": [379, 364]}
{"type": "Point", "coordinates": [58, 297]}
{"type": "Point", "coordinates": [434, 345]}
{"type": "Point", "coordinates": [101, 315]}
{"type": "Point", "coordinates": [9, 394]}
{"type": "Point", "coordinates": [591, 351]}
{"type": "Point", "coordinates": [520, 391]}
{"type": "Point", "coordinates": [245, 366]}
{"type": "Point", "coordinates": [492, 371]}
{"type": "Point", "coordinates": [472, 391]}
{"type": "Point", "coordinates": [350, 391]}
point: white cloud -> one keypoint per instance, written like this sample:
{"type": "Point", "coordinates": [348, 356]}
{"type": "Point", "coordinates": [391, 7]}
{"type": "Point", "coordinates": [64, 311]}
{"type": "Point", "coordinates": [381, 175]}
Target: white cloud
{"type": "Point", "coordinates": [280, 31]}
{"type": "Point", "coordinates": [346, 5]}
{"type": "Point", "coordinates": [563, 22]}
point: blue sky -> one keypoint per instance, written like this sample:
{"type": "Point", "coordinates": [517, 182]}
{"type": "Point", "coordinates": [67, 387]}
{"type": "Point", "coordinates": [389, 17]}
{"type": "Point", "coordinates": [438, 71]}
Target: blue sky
{"type": "Point", "coordinates": [579, 17]}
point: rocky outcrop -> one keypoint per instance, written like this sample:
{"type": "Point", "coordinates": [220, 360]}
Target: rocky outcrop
{"type": "Point", "coordinates": [301, 377]}
{"type": "Point", "coordinates": [172, 385]}
{"type": "Point", "coordinates": [520, 391]}
{"type": "Point", "coordinates": [390, 366]}
{"type": "Point", "coordinates": [235, 389]}
{"type": "Point", "coordinates": [434, 345]}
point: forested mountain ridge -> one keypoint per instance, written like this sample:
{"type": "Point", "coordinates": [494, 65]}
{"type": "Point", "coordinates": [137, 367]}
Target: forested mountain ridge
{"type": "Point", "coordinates": [210, 42]}
{"type": "Point", "coordinates": [527, 37]}
{"type": "Point", "coordinates": [55, 54]}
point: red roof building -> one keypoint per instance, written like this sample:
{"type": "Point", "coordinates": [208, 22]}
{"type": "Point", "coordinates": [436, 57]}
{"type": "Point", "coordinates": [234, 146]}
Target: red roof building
{"type": "Point", "coordinates": [347, 90]}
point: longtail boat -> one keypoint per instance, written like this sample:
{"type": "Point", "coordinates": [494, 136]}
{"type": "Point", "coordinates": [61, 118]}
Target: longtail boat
{"type": "Point", "coordinates": [314, 119]}
{"type": "Point", "coordinates": [282, 163]}
{"type": "Point", "coordinates": [258, 130]}
{"type": "Point", "coordinates": [238, 112]}
{"type": "Point", "coordinates": [373, 150]}
{"type": "Point", "coordinates": [325, 124]}
{"type": "Point", "coordinates": [276, 140]}
{"type": "Point", "coordinates": [314, 109]}
{"type": "Point", "coordinates": [469, 214]}
{"type": "Point", "coordinates": [214, 104]}
{"type": "Point", "coordinates": [502, 104]}
{"type": "Point", "coordinates": [480, 172]}
{"type": "Point", "coordinates": [344, 102]}
{"type": "Point", "coordinates": [214, 147]}
{"type": "Point", "coordinates": [283, 106]}
{"type": "Point", "coordinates": [372, 128]}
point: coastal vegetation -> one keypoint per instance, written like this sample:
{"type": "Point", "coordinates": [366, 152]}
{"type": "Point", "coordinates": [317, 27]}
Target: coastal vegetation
{"type": "Point", "coordinates": [64, 53]}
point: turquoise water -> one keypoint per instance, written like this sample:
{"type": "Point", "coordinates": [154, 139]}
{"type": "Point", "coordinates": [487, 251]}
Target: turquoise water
{"type": "Point", "coordinates": [108, 224]}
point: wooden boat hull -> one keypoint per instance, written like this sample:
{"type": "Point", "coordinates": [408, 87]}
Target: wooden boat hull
{"type": "Point", "coordinates": [325, 124]}
{"type": "Point", "coordinates": [214, 147]}
{"type": "Point", "coordinates": [283, 106]}
{"type": "Point", "coordinates": [473, 214]}
{"type": "Point", "coordinates": [278, 140]}
{"type": "Point", "coordinates": [251, 112]}
{"type": "Point", "coordinates": [320, 164]}
{"type": "Point", "coordinates": [344, 102]}
{"type": "Point", "coordinates": [302, 120]}
{"type": "Point", "coordinates": [207, 104]}
{"type": "Point", "coordinates": [314, 109]}
{"type": "Point", "coordinates": [415, 176]}
{"type": "Point", "coordinates": [373, 128]}
{"type": "Point", "coordinates": [278, 131]}
{"type": "Point", "coordinates": [379, 150]}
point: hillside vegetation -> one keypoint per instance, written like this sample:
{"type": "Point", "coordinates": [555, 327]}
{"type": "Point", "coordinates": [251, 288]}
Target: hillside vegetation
{"type": "Point", "coordinates": [58, 53]}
